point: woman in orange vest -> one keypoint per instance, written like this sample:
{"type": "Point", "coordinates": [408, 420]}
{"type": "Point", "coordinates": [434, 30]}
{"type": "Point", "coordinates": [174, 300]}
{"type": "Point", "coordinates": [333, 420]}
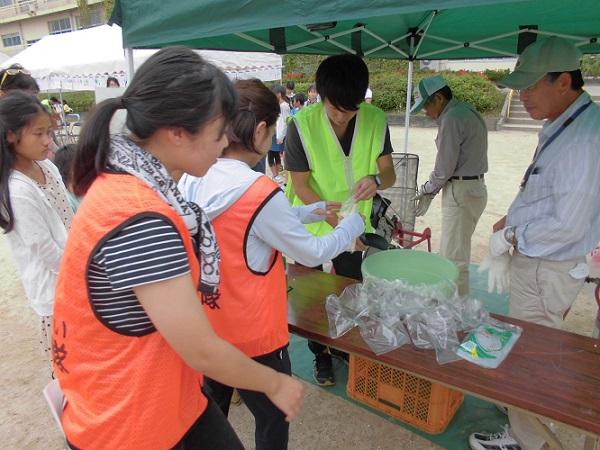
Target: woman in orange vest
{"type": "Point", "coordinates": [254, 225]}
{"type": "Point", "coordinates": [131, 340]}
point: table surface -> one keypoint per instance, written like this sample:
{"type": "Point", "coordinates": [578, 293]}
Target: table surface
{"type": "Point", "coordinates": [550, 373]}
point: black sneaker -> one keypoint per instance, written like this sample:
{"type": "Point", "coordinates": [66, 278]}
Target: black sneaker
{"type": "Point", "coordinates": [323, 370]}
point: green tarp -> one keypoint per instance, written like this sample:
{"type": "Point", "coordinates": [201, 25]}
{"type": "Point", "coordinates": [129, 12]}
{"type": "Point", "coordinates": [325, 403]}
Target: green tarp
{"type": "Point", "coordinates": [440, 29]}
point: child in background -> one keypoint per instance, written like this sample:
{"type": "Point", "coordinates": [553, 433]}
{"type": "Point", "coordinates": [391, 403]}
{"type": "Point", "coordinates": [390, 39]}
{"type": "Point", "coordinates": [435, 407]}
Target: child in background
{"type": "Point", "coordinates": [34, 209]}
{"type": "Point", "coordinates": [297, 103]}
{"type": "Point", "coordinates": [64, 162]}
{"type": "Point", "coordinates": [313, 96]}
{"type": "Point", "coordinates": [277, 146]}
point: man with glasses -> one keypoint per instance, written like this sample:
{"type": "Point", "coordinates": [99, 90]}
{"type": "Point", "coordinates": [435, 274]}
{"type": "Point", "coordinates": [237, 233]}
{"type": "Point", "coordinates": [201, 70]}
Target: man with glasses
{"type": "Point", "coordinates": [460, 165]}
{"type": "Point", "coordinates": [555, 219]}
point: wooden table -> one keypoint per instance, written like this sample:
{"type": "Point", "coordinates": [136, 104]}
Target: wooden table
{"type": "Point", "coordinates": [550, 373]}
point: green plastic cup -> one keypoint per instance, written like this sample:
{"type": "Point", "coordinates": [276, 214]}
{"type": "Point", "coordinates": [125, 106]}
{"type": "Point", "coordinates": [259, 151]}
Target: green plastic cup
{"type": "Point", "coordinates": [412, 266]}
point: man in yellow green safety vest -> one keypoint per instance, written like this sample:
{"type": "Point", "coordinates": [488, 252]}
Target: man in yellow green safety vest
{"type": "Point", "coordinates": [338, 150]}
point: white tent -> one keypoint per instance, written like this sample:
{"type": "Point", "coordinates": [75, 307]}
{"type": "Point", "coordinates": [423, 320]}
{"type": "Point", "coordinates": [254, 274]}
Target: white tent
{"type": "Point", "coordinates": [82, 60]}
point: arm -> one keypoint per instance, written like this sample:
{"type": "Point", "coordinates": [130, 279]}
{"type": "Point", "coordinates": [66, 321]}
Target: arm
{"type": "Point", "coordinates": [32, 226]}
{"type": "Point", "coordinates": [576, 195]}
{"type": "Point", "coordinates": [365, 189]}
{"type": "Point", "coordinates": [448, 149]}
{"type": "Point", "coordinates": [278, 226]}
{"type": "Point", "coordinates": [185, 327]}
{"type": "Point", "coordinates": [281, 127]}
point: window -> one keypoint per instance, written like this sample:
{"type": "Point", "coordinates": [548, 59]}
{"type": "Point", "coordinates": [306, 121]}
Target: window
{"type": "Point", "coordinates": [11, 40]}
{"type": "Point", "coordinates": [60, 26]}
{"type": "Point", "coordinates": [31, 42]}
{"type": "Point", "coordinates": [6, 3]}
{"type": "Point", "coordinates": [94, 20]}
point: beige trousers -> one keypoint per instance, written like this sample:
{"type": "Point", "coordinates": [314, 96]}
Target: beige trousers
{"type": "Point", "coordinates": [463, 202]}
{"type": "Point", "coordinates": [541, 292]}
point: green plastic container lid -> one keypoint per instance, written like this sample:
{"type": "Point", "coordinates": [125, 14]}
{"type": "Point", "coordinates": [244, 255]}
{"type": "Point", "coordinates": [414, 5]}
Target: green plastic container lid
{"type": "Point", "coordinates": [412, 266]}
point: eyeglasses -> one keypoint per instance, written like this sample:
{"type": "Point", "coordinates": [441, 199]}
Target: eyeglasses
{"type": "Point", "coordinates": [12, 72]}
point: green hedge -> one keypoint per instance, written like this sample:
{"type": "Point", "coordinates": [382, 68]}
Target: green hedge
{"type": "Point", "coordinates": [81, 101]}
{"type": "Point", "coordinates": [389, 91]}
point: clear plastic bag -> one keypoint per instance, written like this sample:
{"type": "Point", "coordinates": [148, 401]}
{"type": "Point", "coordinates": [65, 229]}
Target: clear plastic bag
{"type": "Point", "coordinates": [348, 207]}
{"type": "Point", "coordinates": [381, 335]}
{"type": "Point", "coordinates": [342, 311]}
{"type": "Point", "coordinates": [490, 343]}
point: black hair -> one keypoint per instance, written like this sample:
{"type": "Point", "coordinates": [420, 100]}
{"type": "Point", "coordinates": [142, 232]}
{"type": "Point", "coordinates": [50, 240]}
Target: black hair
{"type": "Point", "coordinates": [114, 80]}
{"type": "Point", "coordinates": [17, 109]}
{"type": "Point", "coordinates": [576, 78]}
{"type": "Point", "coordinates": [54, 99]}
{"type": "Point", "coordinates": [256, 104]}
{"type": "Point", "coordinates": [175, 87]}
{"type": "Point", "coordinates": [19, 81]}
{"type": "Point", "coordinates": [63, 160]}
{"type": "Point", "coordinates": [343, 80]}
{"type": "Point", "coordinates": [290, 85]}
{"type": "Point", "coordinates": [445, 91]}
{"type": "Point", "coordinates": [312, 87]}
{"type": "Point", "coordinates": [300, 97]}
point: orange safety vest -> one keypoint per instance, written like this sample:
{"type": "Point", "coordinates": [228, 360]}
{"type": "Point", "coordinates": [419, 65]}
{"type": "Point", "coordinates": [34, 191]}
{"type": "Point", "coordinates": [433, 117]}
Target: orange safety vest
{"type": "Point", "coordinates": [252, 308]}
{"type": "Point", "coordinates": [126, 392]}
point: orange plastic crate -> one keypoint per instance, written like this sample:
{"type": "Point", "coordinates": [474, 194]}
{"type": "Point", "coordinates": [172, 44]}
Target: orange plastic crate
{"type": "Point", "coordinates": [411, 399]}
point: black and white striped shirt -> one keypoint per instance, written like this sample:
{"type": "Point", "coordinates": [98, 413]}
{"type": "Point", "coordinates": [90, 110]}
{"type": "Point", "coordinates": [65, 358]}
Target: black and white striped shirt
{"type": "Point", "coordinates": [145, 251]}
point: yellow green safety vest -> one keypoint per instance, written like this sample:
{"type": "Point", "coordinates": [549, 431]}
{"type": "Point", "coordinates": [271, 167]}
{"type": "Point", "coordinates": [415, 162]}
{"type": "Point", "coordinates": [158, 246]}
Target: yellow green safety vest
{"type": "Point", "coordinates": [332, 173]}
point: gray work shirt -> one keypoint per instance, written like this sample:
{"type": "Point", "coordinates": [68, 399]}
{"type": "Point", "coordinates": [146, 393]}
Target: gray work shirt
{"type": "Point", "coordinates": [461, 145]}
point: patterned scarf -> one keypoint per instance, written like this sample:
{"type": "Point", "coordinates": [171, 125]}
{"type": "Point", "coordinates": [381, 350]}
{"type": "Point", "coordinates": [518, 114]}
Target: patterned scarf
{"type": "Point", "coordinates": [126, 156]}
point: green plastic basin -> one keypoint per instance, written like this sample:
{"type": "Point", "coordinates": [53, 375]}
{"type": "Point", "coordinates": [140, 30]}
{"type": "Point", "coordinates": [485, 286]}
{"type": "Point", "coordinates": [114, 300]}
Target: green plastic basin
{"type": "Point", "coordinates": [412, 266]}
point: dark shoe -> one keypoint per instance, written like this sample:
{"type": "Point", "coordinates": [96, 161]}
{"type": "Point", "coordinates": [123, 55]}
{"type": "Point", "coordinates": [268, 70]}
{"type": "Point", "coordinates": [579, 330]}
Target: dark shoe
{"type": "Point", "coordinates": [323, 370]}
{"type": "Point", "coordinates": [342, 356]}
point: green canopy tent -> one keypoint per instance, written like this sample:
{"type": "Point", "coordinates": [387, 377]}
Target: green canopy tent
{"type": "Point", "coordinates": [405, 29]}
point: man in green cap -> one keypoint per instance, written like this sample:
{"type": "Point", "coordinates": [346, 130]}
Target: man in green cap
{"type": "Point", "coordinates": [460, 165]}
{"type": "Point", "coordinates": [555, 219]}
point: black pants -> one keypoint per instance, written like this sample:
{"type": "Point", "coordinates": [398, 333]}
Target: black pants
{"type": "Point", "coordinates": [271, 432]}
{"type": "Point", "coordinates": [211, 430]}
{"type": "Point", "coordinates": [346, 264]}
{"type": "Point", "coordinates": [274, 158]}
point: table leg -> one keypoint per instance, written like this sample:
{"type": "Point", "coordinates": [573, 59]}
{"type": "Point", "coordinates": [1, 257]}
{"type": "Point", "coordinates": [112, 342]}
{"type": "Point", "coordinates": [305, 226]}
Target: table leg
{"type": "Point", "coordinates": [548, 434]}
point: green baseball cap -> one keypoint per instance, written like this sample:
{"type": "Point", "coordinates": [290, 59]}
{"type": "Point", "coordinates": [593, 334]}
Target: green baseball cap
{"type": "Point", "coordinates": [549, 55]}
{"type": "Point", "coordinates": [425, 89]}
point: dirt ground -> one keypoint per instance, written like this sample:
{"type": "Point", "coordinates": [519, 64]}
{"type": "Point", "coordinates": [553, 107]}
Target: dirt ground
{"type": "Point", "coordinates": [326, 422]}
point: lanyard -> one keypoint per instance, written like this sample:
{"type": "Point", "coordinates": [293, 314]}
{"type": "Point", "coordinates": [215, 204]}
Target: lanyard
{"type": "Point", "coordinates": [539, 150]}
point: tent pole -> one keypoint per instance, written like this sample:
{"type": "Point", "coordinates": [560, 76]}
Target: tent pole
{"type": "Point", "coordinates": [408, 93]}
{"type": "Point", "coordinates": [130, 67]}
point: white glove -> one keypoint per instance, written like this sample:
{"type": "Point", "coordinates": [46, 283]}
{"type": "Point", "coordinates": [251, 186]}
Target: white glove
{"type": "Point", "coordinates": [423, 201]}
{"type": "Point", "coordinates": [498, 272]}
{"type": "Point", "coordinates": [498, 243]}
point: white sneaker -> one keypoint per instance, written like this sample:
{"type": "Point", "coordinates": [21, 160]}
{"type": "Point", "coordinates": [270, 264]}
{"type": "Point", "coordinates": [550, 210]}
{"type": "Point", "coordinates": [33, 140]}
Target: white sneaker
{"type": "Point", "coordinates": [493, 441]}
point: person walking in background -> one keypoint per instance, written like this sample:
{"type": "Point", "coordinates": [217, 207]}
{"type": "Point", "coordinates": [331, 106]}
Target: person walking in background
{"type": "Point", "coordinates": [35, 213]}
{"type": "Point", "coordinates": [277, 146]}
{"type": "Point", "coordinates": [289, 89]}
{"type": "Point", "coordinates": [131, 338]}
{"type": "Point", "coordinates": [339, 150]}
{"type": "Point", "coordinates": [554, 221]}
{"type": "Point", "coordinates": [460, 165]}
{"type": "Point", "coordinates": [255, 226]}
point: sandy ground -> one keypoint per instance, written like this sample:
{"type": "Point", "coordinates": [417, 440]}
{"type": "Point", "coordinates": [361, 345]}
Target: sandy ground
{"type": "Point", "coordinates": [326, 422]}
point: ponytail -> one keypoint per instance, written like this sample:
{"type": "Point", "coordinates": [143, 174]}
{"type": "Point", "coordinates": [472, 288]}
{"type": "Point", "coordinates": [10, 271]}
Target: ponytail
{"type": "Point", "coordinates": [17, 109]}
{"type": "Point", "coordinates": [94, 145]}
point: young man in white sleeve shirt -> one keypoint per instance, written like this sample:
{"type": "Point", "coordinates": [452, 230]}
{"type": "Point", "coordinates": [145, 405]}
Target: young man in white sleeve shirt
{"type": "Point", "coordinates": [555, 218]}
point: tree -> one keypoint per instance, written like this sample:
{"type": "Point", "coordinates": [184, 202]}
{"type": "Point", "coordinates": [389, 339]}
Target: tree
{"type": "Point", "coordinates": [84, 10]}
